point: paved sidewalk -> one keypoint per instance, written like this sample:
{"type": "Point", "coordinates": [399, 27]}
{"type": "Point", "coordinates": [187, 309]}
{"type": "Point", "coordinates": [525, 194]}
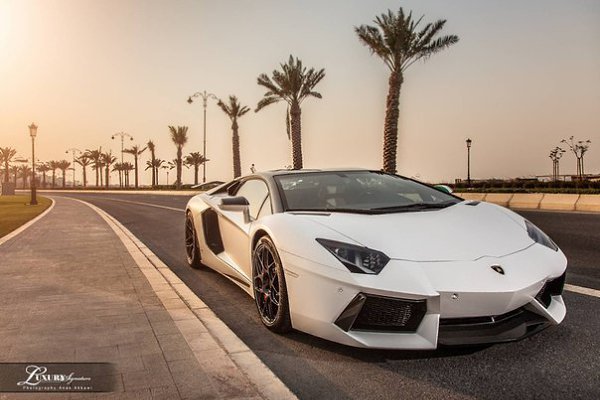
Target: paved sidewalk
{"type": "Point", "coordinates": [70, 291]}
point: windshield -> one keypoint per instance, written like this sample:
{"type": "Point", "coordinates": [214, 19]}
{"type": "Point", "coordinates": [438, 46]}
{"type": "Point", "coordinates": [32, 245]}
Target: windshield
{"type": "Point", "coordinates": [358, 191]}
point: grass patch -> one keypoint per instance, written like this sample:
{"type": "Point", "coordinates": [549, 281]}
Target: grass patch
{"type": "Point", "coordinates": [15, 211]}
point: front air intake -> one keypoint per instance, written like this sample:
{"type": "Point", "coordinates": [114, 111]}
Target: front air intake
{"type": "Point", "coordinates": [553, 287]}
{"type": "Point", "coordinates": [368, 312]}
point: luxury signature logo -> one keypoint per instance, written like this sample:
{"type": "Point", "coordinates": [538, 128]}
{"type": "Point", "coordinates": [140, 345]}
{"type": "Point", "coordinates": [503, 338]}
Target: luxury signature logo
{"type": "Point", "coordinates": [37, 374]}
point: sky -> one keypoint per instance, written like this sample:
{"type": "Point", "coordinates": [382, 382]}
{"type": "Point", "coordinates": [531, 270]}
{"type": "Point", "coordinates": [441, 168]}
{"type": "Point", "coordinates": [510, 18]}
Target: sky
{"type": "Point", "coordinates": [524, 75]}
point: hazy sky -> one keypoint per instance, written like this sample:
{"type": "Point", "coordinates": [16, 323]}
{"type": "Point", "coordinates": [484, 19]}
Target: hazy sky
{"type": "Point", "coordinates": [524, 75]}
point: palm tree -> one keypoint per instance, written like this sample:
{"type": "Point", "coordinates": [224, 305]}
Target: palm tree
{"type": "Point", "coordinates": [96, 157]}
{"type": "Point", "coordinates": [107, 159]}
{"type": "Point", "coordinates": [53, 167]}
{"type": "Point", "coordinates": [43, 168]}
{"type": "Point", "coordinates": [118, 167]}
{"type": "Point", "coordinates": [155, 165]}
{"type": "Point", "coordinates": [196, 159]}
{"type": "Point", "coordinates": [63, 165]}
{"type": "Point", "coordinates": [14, 170]}
{"type": "Point", "coordinates": [6, 155]}
{"type": "Point", "coordinates": [152, 147]}
{"type": "Point", "coordinates": [234, 110]}
{"type": "Point", "coordinates": [398, 41]}
{"type": "Point", "coordinates": [84, 161]}
{"type": "Point", "coordinates": [136, 151]}
{"type": "Point", "coordinates": [127, 168]}
{"type": "Point", "coordinates": [25, 174]}
{"type": "Point", "coordinates": [292, 84]}
{"type": "Point", "coordinates": [179, 138]}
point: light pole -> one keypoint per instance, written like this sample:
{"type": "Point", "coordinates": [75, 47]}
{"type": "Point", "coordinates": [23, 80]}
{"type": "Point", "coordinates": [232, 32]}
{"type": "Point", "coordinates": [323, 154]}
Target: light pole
{"type": "Point", "coordinates": [123, 135]}
{"type": "Point", "coordinates": [33, 132]}
{"type": "Point", "coordinates": [469, 141]}
{"type": "Point", "coordinates": [74, 151]}
{"type": "Point", "coordinates": [205, 96]}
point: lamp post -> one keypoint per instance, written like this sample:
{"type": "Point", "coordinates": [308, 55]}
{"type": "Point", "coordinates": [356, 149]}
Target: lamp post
{"type": "Point", "coordinates": [74, 151]}
{"type": "Point", "coordinates": [205, 96]}
{"type": "Point", "coordinates": [33, 133]}
{"type": "Point", "coordinates": [469, 141]}
{"type": "Point", "coordinates": [122, 135]}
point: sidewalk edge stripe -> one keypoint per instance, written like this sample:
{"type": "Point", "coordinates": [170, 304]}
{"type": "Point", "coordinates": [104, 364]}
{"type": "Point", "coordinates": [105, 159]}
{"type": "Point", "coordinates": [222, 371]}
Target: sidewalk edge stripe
{"type": "Point", "coordinates": [26, 225]}
{"type": "Point", "coordinates": [266, 382]}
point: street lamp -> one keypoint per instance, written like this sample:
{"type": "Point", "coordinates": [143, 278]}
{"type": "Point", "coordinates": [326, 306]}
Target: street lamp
{"type": "Point", "coordinates": [33, 133]}
{"type": "Point", "coordinates": [205, 96]}
{"type": "Point", "coordinates": [469, 141]}
{"type": "Point", "coordinates": [74, 151]}
{"type": "Point", "coordinates": [123, 135]}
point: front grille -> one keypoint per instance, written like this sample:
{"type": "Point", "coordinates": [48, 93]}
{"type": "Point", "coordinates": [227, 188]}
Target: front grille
{"type": "Point", "coordinates": [551, 288]}
{"type": "Point", "coordinates": [390, 314]}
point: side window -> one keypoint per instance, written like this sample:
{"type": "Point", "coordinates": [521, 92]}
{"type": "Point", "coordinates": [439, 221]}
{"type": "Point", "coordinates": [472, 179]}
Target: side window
{"type": "Point", "coordinates": [255, 191]}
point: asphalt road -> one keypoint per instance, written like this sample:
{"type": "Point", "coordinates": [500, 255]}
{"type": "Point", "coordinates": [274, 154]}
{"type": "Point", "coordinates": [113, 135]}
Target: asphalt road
{"type": "Point", "coordinates": [560, 362]}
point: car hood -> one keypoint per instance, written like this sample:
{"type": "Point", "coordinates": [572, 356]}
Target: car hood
{"type": "Point", "coordinates": [456, 233]}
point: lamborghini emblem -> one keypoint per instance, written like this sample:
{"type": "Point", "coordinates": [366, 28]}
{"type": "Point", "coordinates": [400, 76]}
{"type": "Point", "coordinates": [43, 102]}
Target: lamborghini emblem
{"type": "Point", "coordinates": [498, 269]}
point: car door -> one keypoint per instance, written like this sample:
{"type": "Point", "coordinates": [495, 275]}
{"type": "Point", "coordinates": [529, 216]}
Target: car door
{"type": "Point", "coordinates": [235, 227]}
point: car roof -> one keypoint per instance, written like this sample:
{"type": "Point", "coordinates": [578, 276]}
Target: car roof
{"type": "Point", "coordinates": [277, 172]}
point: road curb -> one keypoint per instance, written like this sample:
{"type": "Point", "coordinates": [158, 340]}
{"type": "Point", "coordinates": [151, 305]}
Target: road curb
{"type": "Point", "coordinates": [192, 316]}
{"type": "Point", "coordinates": [539, 201]}
{"type": "Point", "coordinates": [26, 225]}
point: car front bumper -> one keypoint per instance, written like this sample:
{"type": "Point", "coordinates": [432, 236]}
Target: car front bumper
{"type": "Point", "coordinates": [455, 303]}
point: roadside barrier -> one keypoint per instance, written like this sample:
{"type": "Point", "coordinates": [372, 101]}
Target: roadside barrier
{"type": "Point", "coordinates": [539, 201]}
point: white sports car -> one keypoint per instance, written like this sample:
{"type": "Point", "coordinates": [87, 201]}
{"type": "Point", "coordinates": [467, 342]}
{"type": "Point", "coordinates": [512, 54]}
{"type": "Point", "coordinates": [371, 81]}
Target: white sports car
{"type": "Point", "coordinates": [371, 259]}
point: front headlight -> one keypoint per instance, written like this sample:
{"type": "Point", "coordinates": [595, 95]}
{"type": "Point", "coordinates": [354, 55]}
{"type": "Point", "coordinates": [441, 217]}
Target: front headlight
{"type": "Point", "coordinates": [540, 237]}
{"type": "Point", "coordinates": [357, 259]}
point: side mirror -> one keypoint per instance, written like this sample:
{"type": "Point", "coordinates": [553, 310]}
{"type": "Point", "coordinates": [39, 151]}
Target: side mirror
{"type": "Point", "coordinates": [236, 204]}
{"type": "Point", "coordinates": [444, 188]}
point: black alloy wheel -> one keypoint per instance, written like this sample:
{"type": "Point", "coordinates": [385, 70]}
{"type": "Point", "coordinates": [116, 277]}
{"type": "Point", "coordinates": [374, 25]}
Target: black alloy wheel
{"type": "Point", "coordinates": [270, 292]}
{"type": "Point", "coordinates": [192, 251]}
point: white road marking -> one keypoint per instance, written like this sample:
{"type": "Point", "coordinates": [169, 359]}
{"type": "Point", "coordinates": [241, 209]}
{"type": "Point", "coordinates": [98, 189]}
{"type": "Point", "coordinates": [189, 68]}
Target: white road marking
{"type": "Point", "coordinates": [141, 203]}
{"type": "Point", "coordinates": [582, 290]}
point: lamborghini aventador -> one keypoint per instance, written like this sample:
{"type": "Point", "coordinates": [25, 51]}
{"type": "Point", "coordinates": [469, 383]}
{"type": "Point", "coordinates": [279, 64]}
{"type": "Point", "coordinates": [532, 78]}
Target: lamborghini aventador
{"type": "Point", "coordinates": [371, 259]}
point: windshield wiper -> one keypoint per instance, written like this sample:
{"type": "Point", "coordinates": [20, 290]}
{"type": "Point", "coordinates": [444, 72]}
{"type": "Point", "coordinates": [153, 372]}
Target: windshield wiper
{"type": "Point", "coordinates": [415, 207]}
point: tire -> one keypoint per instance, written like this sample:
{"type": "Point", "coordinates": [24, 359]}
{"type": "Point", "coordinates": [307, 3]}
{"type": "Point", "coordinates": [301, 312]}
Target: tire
{"type": "Point", "coordinates": [192, 251]}
{"type": "Point", "coordinates": [270, 290]}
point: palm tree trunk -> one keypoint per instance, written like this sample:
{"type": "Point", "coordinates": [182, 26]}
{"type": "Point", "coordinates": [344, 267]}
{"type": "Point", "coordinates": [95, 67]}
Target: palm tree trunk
{"type": "Point", "coordinates": [196, 169]}
{"type": "Point", "coordinates": [6, 172]}
{"type": "Point", "coordinates": [44, 180]}
{"type": "Point", "coordinates": [136, 171]}
{"type": "Point", "coordinates": [97, 167]}
{"type": "Point", "coordinates": [24, 181]}
{"type": "Point", "coordinates": [390, 129]}
{"type": "Point", "coordinates": [296, 114]}
{"type": "Point", "coordinates": [64, 180]}
{"type": "Point", "coordinates": [107, 172]}
{"type": "Point", "coordinates": [84, 178]}
{"type": "Point", "coordinates": [179, 150]}
{"type": "Point", "coordinates": [237, 169]}
{"type": "Point", "coordinates": [154, 170]}
{"type": "Point", "coordinates": [53, 178]}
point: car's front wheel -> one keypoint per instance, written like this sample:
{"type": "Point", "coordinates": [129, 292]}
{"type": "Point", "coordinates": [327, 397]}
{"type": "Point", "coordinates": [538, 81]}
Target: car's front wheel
{"type": "Point", "coordinates": [270, 292]}
{"type": "Point", "coordinates": [192, 250]}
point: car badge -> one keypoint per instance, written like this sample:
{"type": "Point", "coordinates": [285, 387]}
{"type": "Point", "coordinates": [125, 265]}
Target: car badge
{"type": "Point", "coordinates": [498, 269]}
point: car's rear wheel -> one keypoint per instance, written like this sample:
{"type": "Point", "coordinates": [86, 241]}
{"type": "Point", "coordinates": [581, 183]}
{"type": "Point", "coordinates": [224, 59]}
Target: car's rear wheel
{"type": "Point", "coordinates": [270, 292]}
{"type": "Point", "coordinates": [192, 250]}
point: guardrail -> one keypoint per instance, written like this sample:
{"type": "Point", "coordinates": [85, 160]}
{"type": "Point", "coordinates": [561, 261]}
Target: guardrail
{"type": "Point", "coordinates": [539, 201]}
